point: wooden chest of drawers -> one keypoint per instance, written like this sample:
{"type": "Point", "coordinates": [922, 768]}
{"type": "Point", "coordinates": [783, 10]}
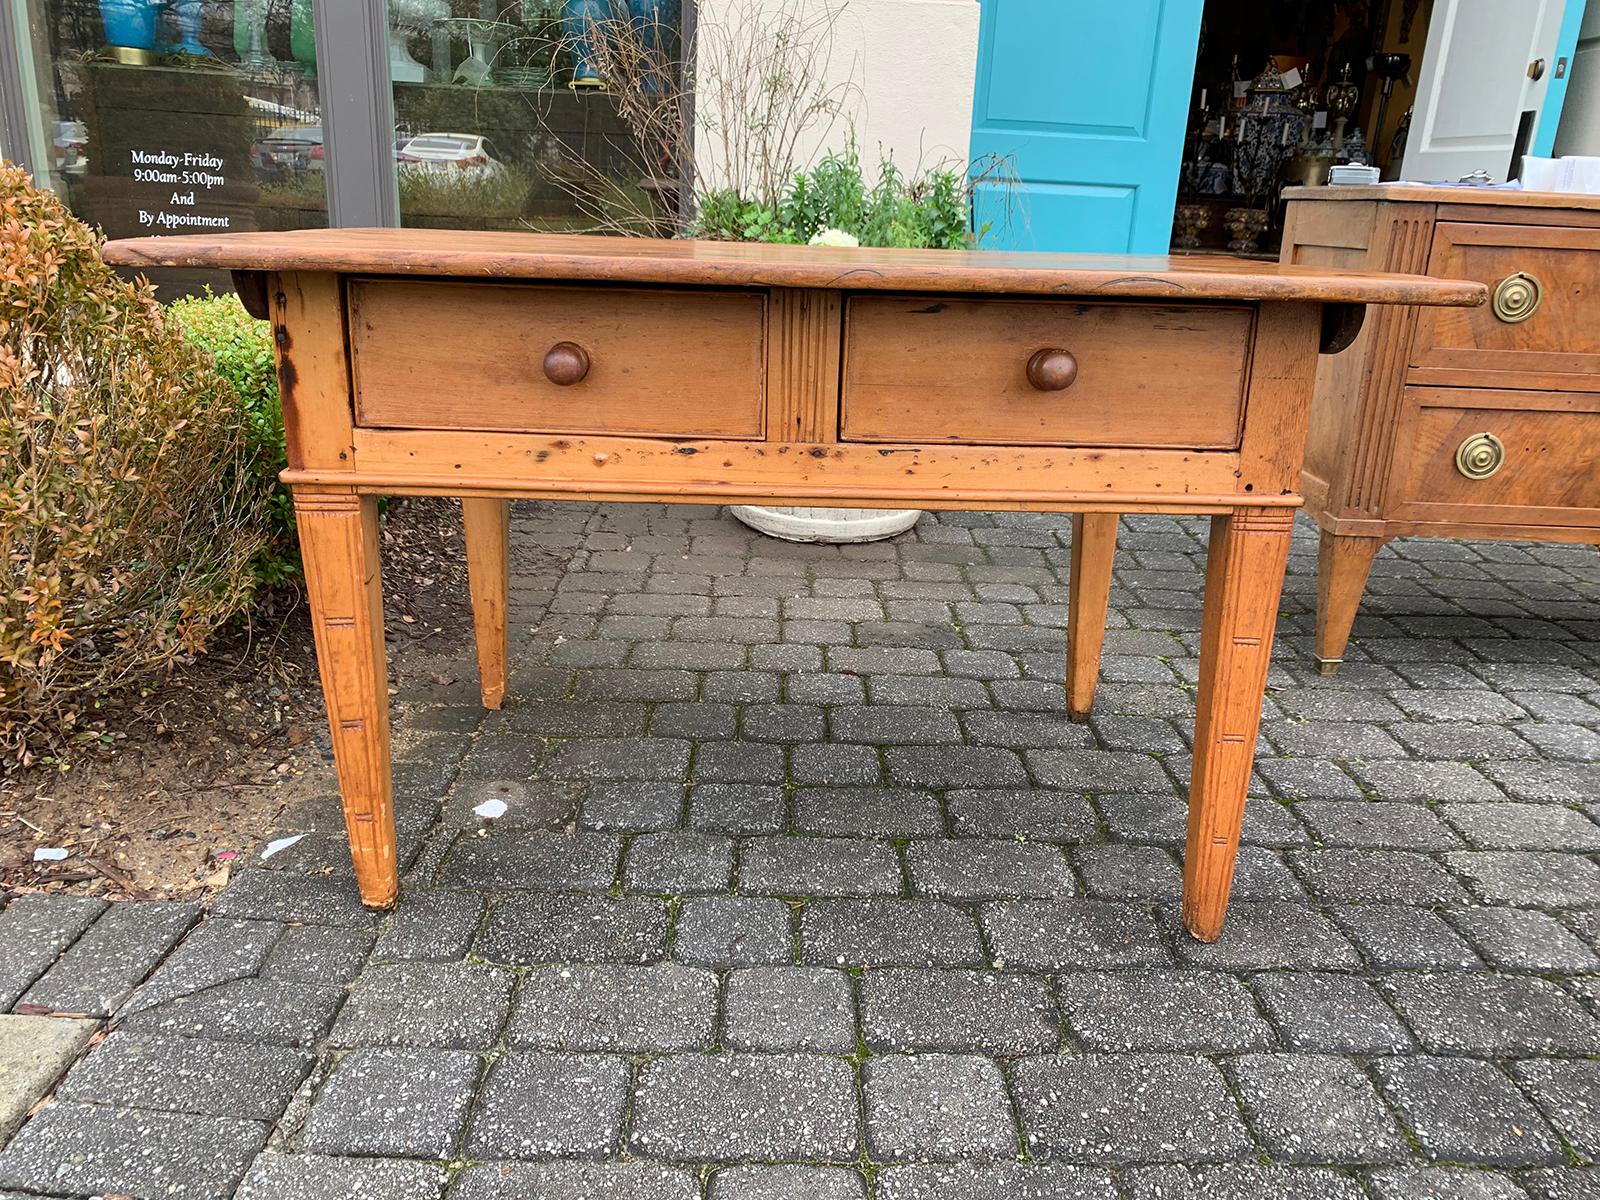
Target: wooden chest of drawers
{"type": "Point", "coordinates": [1480, 422]}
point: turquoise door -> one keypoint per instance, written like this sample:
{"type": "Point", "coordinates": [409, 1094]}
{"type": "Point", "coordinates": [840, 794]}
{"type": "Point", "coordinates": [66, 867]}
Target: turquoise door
{"type": "Point", "coordinates": [1089, 102]}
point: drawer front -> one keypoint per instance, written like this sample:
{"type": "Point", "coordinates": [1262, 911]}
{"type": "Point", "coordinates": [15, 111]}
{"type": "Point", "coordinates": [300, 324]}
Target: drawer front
{"type": "Point", "coordinates": [940, 369]}
{"type": "Point", "coordinates": [1544, 312]}
{"type": "Point", "coordinates": [430, 355]}
{"type": "Point", "coordinates": [1480, 455]}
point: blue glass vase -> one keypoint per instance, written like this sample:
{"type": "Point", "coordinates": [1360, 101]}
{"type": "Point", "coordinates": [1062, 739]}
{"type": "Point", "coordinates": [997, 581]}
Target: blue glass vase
{"type": "Point", "coordinates": [579, 19]}
{"type": "Point", "coordinates": [656, 22]}
{"type": "Point", "coordinates": [188, 14]}
{"type": "Point", "coordinates": [130, 23]}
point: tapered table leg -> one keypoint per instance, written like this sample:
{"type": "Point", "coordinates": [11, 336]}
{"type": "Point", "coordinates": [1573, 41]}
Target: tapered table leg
{"type": "Point", "coordinates": [1094, 545]}
{"type": "Point", "coordinates": [1343, 564]}
{"type": "Point", "coordinates": [1244, 583]}
{"type": "Point", "coordinates": [339, 546]}
{"type": "Point", "coordinates": [488, 528]}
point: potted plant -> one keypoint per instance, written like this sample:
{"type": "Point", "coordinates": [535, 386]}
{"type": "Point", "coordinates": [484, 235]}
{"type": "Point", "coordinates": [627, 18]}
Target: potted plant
{"type": "Point", "coordinates": [833, 204]}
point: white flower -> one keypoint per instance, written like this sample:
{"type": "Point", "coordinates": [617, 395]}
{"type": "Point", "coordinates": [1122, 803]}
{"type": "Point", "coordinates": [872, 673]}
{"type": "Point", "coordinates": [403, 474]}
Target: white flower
{"type": "Point", "coordinates": [835, 237]}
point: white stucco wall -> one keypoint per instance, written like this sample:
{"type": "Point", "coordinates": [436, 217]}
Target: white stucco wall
{"type": "Point", "coordinates": [913, 64]}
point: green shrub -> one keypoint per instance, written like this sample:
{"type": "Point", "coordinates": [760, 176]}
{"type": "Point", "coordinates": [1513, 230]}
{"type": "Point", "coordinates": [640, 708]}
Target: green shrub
{"type": "Point", "coordinates": [930, 210]}
{"type": "Point", "coordinates": [241, 350]}
{"type": "Point", "coordinates": [129, 515]}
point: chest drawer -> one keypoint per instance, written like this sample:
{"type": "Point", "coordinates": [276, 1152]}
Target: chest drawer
{"type": "Point", "coordinates": [1467, 454]}
{"type": "Point", "coordinates": [1543, 318]}
{"type": "Point", "coordinates": [526, 358]}
{"type": "Point", "coordinates": [1043, 372]}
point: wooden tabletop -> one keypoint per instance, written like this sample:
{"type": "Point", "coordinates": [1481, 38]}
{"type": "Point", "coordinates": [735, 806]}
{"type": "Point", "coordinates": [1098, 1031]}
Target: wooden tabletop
{"type": "Point", "coordinates": [1444, 194]}
{"type": "Point", "coordinates": [476, 254]}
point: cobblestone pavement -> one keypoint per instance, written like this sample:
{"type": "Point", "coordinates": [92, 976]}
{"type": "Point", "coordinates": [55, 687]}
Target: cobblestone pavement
{"type": "Point", "coordinates": [805, 888]}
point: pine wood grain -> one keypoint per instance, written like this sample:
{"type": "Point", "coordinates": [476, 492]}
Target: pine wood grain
{"type": "Point", "coordinates": [660, 361]}
{"type": "Point", "coordinates": [1244, 581]}
{"type": "Point", "coordinates": [338, 533]}
{"type": "Point", "coordinates": [482, 254]}
{"type": "Point", "coordinates": [486, 524]}
{"type": "Point", "coordinates": [740, 472]}
{"type": "Point", "coordinates": [949, 369]}
{"type": "Point", "coordinates": [1094, 546]}
{"type": "Point", "coordinates": [803, 349]}
{"type": "Point", "coordinates": [313, 371]}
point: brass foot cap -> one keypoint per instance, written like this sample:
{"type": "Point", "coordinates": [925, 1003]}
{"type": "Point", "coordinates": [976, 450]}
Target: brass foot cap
{"type": "Point", "coordinates": [1329, 666]}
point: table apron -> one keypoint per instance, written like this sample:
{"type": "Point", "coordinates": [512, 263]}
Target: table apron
{"type": "Point", "coordinates": [435, 462]}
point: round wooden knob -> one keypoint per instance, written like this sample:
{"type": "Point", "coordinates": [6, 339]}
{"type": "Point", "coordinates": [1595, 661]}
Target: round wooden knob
{"type": "Point", "coordinates": [566, 363]}
{"type": "Point", "coordinates": [1052, 370]}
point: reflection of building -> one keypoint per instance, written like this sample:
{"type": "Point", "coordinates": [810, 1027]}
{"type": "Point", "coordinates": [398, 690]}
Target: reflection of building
{"type": "Point", "coordinates": [1105, 114]}
{"type": "Point", "coordinates": [165, 116]}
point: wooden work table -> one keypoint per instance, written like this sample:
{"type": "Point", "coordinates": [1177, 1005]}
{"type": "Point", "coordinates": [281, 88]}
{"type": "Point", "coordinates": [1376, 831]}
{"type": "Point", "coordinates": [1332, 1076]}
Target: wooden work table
{"type": "Point", "coordinates": [493, 366]}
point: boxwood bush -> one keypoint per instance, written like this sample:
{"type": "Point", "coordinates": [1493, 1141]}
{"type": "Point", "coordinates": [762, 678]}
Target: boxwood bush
{"type": "Point", "coordinates": [240, 347]}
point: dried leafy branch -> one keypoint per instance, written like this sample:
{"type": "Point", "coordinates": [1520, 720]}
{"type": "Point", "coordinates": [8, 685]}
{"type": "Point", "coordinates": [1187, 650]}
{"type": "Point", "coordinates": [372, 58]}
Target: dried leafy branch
{"type": "Point", "coordinates": [129, 511]}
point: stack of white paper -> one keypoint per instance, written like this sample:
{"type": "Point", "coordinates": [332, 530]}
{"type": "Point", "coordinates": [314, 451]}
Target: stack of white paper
{"type": "Point", "coordinates": [1572, 173]}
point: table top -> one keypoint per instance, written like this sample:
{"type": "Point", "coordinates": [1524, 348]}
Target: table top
{"type": "Point", "coordinates": [1443, 194]}
{"type": "Point", "coordinates": [480, 254]}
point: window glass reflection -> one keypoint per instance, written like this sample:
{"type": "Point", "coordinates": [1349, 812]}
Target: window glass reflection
{"type": "Point", "coordinates": [515, 115]}
{"type": "Point", "coordinates": [182, 116]}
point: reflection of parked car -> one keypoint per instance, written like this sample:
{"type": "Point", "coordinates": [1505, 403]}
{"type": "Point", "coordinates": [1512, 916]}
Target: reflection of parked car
{"type": "Point", "coordinates": [292, 148]}
{"type": "Point", "coordinates": [469, 152]}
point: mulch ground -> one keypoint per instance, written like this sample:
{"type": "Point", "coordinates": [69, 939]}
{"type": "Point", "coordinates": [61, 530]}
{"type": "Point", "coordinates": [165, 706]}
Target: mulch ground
{"type": "Point", "coordinates": [182, 783]}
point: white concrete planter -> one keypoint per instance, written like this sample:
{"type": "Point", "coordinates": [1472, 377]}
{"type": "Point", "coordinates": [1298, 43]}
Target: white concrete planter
{"type": "Point", "coordinates": [827, 524]}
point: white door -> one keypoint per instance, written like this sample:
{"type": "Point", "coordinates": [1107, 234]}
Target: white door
{"type": "Point", "coordinates": [1477, 82]}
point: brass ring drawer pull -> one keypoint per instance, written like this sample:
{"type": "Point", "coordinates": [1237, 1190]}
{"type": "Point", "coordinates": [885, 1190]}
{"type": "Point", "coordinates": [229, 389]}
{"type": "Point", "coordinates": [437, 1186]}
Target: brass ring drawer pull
{"type": "Point", "coordinates": [566, 363]}
{"type": "Point", "coordinates": [1052, 369]}
{"type": "Point", "coordinates": [1517, 296]}
{"type": "Point", "coordinates": [1480, 456]}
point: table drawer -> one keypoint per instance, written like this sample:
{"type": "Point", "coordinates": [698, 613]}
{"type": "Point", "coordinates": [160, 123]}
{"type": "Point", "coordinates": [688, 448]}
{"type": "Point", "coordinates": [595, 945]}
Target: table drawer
{"type": "Point", "coordinates": [942, 369]}
{"type": "Point", "coordinates": [441, 355]}
{"type": "Point", "coordinates": [1544, 312]}
{"type": "Point", "coordinates": [1547, 446]}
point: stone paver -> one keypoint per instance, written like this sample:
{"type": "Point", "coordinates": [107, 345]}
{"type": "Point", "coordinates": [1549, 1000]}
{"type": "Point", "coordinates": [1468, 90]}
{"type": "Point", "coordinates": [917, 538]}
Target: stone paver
{"type": "Point", "coordinates": [575, 1181]}
{"type": "Point", "coordinates": [987, 1011]}
{"type": "Point", "coordinates": [188, 1075]}
{"type": "Point", "coordinates": [83, 1149]}
{"type": "Point", "coordinates": [108, 961]}
{"type": "Point", "coordinates": [1160, 1010]}
{"type": "Point", "coordinates": [786, 1182]}
{"type": "Point", "coordinates": [34, 1053]}
{"type": "Point", "coordinates": [319, 1177]}
{"type": "Point", "coordinates": [1310, 1108]}
{"type": "Point", "coordinates": [550, 1106]}
{"type": "Point", "coordinates": [617, 1008]}
{"type": "Point", "coordinates": [746, 1107]}
{"type": "Point", "coordinates": [1466, 1110]}
{"type": "Point", "coordinates": [453, 1005]}
{"type": "Point", "coordinates": [1135, 1107]}
{"type": "Point", "coordinates": [938, 1106]}
{"type": "Point", "coordinates": [805, 889]}
{"type": "Point", "coordinates": [394, 1103]}
{"type": "Point", "coordinates": [246, 1010]}
{"type": "Point", "coordinates": [34, 930]}
{"type": "Point", "coordinates": [789, 1008]}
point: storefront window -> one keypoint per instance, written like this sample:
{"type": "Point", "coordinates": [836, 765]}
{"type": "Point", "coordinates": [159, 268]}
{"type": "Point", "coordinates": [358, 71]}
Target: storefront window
{"type": "Point", "coordinates": [181, 116]}
{"type": "Point", "coordinates": [536, 114]}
